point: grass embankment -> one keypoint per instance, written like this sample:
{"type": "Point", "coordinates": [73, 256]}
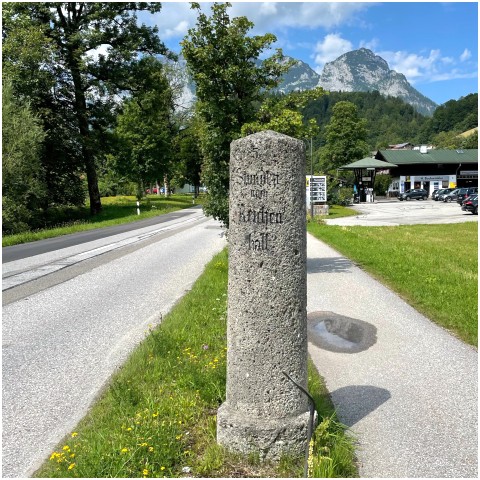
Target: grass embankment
{"type": "Point", "coordinates": [116, 210]}
{"type": "Point", "coordinates": [158, 416]}
{"type": "Point", "coordinates": [433, 267]}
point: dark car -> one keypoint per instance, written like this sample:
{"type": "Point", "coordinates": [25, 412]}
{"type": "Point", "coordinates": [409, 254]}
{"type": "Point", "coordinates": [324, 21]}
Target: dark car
{"type": "Point", "coordinates": [471, 204]}
{"type": "Point", "coordinates": [465, 192]}
{"type": "Point", "coordinates": [436, 193]}
{"type": "Point", "coordinates": [453, 195]}
{"type": "Point", "coordinates": [417, 193]}
{"type": "Point", "coordinates": [443, 193]}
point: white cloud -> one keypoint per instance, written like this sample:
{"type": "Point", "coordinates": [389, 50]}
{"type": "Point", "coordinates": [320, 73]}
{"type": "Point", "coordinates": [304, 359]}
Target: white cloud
{"type": "Point", "coordinates": [176, 17]}
{"type": "Point", "coordinates": [465, 55]}
{"type": "Point", "coordinates": [412, 65]}
{"type": "Point", "coordinates": [272, 15]}
{"type": "Point", "coordinates": [93, 54]}
{"type": "Point", "coordinates": [268, 8]}
{"type": "Point", "coordinates": [179, 30]}
{"type": "Point", "coordinates": [425, 69]}
{"type": "Point", "coordinates": [371, 44]}
{"type": "Point", "coordinates": [173, 20]}
{"type": "Point", "coordinates": [330, 48]}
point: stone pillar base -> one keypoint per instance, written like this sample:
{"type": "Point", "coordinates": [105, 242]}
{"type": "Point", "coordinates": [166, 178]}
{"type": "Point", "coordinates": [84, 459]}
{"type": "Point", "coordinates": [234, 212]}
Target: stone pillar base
{"type": "Point", "coordinates": [270, 438]}
{"type": "Point", "coordinates": [319, 210]}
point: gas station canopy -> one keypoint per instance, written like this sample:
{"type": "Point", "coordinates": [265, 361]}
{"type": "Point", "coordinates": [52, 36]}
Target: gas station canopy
{"type": "Point", "coordinates": [364, 171]}
{"type": "Point", "coordinates": [366, 163]}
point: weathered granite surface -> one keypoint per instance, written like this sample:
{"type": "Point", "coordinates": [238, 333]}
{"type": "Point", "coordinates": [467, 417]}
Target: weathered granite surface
{"type": "Point", "coordinates": [267, 328]}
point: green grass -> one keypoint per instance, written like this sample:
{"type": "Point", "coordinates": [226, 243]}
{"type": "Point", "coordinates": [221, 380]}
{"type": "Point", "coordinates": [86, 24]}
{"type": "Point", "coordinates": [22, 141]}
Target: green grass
{"type": "Point", "coordinates": [433, 267]}
{"type": "Point", "coordinates": [116, 210]}
{"type": "Point", "coordinates": [338, 211]}
{"type": "Point", "coordinates": [334, 211]}
{"type": "Point", "coordinates": [158, 415]}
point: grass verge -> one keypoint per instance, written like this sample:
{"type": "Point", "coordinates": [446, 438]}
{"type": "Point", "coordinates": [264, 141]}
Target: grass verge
{"type": "Point", "coordinates": [334, 211]}
{"type": "Point", "coordinates": [434, 267]}
{"type": "Point", "coordinates": [116, 210]}
{"type": "Point", "coordinates": [157, 418]}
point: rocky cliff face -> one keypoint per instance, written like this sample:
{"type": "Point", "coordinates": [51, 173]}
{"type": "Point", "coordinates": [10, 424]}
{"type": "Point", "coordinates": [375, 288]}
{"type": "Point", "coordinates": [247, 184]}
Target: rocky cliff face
{"type": "Point", "coordinates": [299, 77]}
{"type": "Point", "coordinates": [356, 71]}
{"type": "Point", "coordinates": [361, 71]}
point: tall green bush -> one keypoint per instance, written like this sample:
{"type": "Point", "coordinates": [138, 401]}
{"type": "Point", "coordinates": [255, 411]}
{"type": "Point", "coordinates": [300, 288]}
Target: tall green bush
{"type": "Point", "coordinates": [23, 184]}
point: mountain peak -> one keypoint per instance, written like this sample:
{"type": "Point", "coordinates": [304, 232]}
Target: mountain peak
{"type": "Point", "coordinates": [362, 71]}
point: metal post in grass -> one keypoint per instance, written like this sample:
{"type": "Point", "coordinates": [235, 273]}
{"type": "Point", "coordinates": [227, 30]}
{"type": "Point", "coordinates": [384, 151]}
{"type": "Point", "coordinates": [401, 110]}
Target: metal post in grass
{"type": "Point", "coordinates": [264, 412]}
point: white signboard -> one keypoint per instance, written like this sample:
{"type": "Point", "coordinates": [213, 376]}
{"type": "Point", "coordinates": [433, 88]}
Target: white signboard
{"type": "Point", "coordinates": [316, 189]}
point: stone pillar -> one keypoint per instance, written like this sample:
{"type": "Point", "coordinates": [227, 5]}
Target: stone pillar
{"type": "Point", "coordinates": [267, 320]}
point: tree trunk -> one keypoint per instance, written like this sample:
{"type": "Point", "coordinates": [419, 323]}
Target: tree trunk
{"type": "Point", "coordinates": [167, 187]}
{"type": "Point", "coordinates": [82, 119]}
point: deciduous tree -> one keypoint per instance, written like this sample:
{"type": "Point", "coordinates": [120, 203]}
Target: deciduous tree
{"type": "Point", "coordinates": [221, 58]}
{"type": "Point", "coordinates": [283, 114]}
{"type": "Point", "coordinates": [91, 52]}
{"type": "Point", "coordinates": [145, 128]}
{"type": "Point", "coordinates": [345, 137]}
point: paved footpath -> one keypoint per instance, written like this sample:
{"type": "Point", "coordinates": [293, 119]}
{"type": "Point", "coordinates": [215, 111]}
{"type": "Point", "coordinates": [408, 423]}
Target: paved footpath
{"type": "Point", "coordinates": [409, 393]}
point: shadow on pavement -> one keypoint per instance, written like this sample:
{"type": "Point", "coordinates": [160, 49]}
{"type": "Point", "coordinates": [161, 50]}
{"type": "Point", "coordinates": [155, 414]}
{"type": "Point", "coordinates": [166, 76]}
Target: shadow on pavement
{"type": "Point", "coordinates": [357, 401]}
{"type": "Point", "coordinates": [328, 265]}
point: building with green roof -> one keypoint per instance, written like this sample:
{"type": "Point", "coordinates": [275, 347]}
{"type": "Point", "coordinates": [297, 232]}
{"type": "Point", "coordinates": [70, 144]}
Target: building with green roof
{"type": "Point", "coordinates": [430, 169]}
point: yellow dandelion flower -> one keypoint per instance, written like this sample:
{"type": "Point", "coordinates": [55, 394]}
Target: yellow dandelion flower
{"type": "Point", "coordinates": [129, 429]}
{"type": "Point", "coordinates": [145, 471]}
{"type": "Point", "coordinates": [66, 448]}
{"type": "Point", "coordinates": [72, 465]}
{"type": "Point", "coordinates": [155, 414]}
{"type": "Point", "coordinates": [150, 449]}
{"type": "Point", "coordinates": [162, 468]}
{"type": "Point", "coordinates": [53, 456]}
{"type": "Point", "coordinates": [74, 434]}
{"type": "Point", "coordinates": [144, 444]}
{"type": "Point", "coordinates": [124, 450]}
{"type": "Point", "coordinates": [72, 455]}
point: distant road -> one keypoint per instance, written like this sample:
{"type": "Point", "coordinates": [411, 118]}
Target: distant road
{"type": "Point", "coordinates": [394, 212]}
{"type": "Point", "coordinates": [25, 250]}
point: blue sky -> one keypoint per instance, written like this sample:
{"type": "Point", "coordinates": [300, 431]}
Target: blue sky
{"type": "Point", "coordinates": [435, 45]}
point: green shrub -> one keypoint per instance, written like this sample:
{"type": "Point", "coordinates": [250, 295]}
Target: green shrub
{"type": "Point", "coordinates": [340, 196]}
{"type": "Point", "coordinates": [15, 217]}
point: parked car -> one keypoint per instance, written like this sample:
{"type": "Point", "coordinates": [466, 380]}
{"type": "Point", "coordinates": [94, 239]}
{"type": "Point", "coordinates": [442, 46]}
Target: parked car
{"type": "Point", "coordinates": [417, 193]}
{"type": "Point", "coordinates": [154, 190]}
{"type": "Point", "coordinates": [451, 196]}
{"type": "Point", "coordinates": [436, 193]}
{"type": "Point", "coordinates": [444, 192]}
{"type": "Point", "coordinates": [465, 192]}
{"type": "Point", "coordinates": [471, 204]}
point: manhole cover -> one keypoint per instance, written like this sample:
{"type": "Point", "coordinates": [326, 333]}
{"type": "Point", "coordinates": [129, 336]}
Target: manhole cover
{"type": "Point", "coordinates": [338, 333]}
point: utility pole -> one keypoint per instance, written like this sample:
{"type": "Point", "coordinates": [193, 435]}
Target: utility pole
{"type": "Point", "coordinates": [311, 178]}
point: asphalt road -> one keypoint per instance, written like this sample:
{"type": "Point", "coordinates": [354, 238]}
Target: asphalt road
{"type": "Point", "coordinates": [394, 212]}
{"type": "Point", "coordinates": [67, 328]}
{"type": "Point", "coordinates": [30, 249]}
